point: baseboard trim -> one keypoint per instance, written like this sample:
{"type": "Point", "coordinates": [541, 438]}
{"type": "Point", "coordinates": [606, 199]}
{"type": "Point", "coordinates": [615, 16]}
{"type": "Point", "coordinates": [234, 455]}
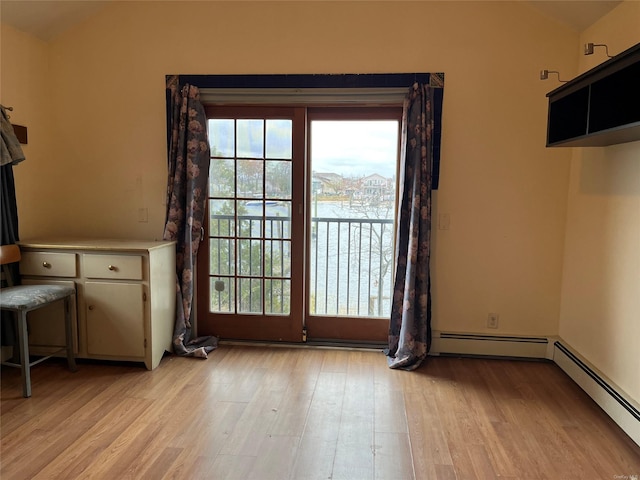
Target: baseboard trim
{"type": "Point", "coordinates": [603, 391]}
{"type": "Point", "coordinates": [611, 398]}
{"type": "Point", "coordinates": [444, 343]}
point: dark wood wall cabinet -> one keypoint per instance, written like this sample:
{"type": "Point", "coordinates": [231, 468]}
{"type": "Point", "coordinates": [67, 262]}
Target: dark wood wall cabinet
{"type": "Point", "coordinates": [600, 107]}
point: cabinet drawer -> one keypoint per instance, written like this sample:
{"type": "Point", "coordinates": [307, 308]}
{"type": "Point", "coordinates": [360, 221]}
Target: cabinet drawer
{"type": "Point", "coordinates": [127, 267]}
{"type": "Point", "coordinates": [48, 264]}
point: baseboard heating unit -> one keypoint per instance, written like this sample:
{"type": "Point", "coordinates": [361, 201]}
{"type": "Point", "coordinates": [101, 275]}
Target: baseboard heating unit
{"type": "Point", "coordinates": [489, 345]}
{"type": "Point", "coordinates": [612, 399]}
{"type": "Point", "coordinates": [608, 396]}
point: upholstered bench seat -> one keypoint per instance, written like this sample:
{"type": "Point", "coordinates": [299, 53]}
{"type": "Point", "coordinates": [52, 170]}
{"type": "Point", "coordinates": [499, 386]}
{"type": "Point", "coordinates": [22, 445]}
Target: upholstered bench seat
{"type": "Point", "coordinates": [29, 297]}
{"type": "Point", "coordinates": [22, 299]}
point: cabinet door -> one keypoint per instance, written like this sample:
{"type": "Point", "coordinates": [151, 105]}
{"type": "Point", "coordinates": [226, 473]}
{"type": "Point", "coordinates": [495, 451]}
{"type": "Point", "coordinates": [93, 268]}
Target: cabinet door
{"type": "Point", "coordinates": [115, 319]}
{"type": "Point", "coordinates": [46, 325]}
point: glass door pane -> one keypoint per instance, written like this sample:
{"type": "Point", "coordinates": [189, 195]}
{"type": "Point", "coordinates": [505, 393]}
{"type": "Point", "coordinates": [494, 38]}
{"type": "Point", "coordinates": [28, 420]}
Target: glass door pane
{"type": "Point", "coordinates": [250, 215]}
{"type": "Point", "coordinates": [250, 232]}
{"type": "Point", "coordinates": [353, 204]}
{"type": "Point", "coordinates": [353, 164]}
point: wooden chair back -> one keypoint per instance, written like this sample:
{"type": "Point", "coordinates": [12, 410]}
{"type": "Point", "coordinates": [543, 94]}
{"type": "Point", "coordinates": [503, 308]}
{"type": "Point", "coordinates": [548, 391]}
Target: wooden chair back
{"type": "Point", "coordinates": [9, 254]}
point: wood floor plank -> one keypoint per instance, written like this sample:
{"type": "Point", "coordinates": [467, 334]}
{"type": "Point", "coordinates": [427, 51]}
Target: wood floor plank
{"type": "Point", "coordinates": [537, 413]}
{"type": "Point", "coordinates": [276, 457]}
{"type": "Point", "coordinates": [390, 416]}
{"type": "Point", "coordinates": [172, 422]}
{"type": "Point", "coordinates": [86, 447]}
{"type": "Point", "coordinates": [334, 361]}
{"type": "Point", "coordinates": [440, 472]}
{"type": "Point", "coordinates": [210, 429]}
{"type": "Point", "coordinates": [319, 442]}
{"type": "Point", "coordinates": [232, 467]}
{"type": "Point", "coordinates": [253, 426]}
{"type": "Point", "coordinates": [453, 417]}
{"type": "Point", "coordinates": [354, 449]}
{"type": "Point", "coordinates": [428, 442]}
{"type": "Point", "coordinates": [315, 458]}
{"type": "Point", "coordinates": [605, 453]}
{"type": "Point", "coordinates": [480, 460]}
{"type": "Point", "coordinates": [393, 456]}
{"type": "Point", "coordinates": [164, 465]}
{"type": "Point", "coordinates": [120, 460]}
{"type": "Point", "coordinates": [252, 412]}
{"type": "Point", "coordinates": [325, 409]}
{"type": "Point", "coordinates": [308, 361]}
{"type": "Point", "coordinates": [201, 468]}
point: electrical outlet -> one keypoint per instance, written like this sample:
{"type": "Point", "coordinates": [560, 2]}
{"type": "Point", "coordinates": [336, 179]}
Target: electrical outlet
{"type": "Point", "coordinates": [444, 221]}
{"type": "Point", "coordinates": [492, 320]}
{"type": "Point", "coordinates": [143, 215]}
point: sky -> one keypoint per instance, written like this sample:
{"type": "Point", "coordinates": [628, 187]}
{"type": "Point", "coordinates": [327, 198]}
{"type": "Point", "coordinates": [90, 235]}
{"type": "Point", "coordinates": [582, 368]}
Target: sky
{"type": "Point", "coordinates": [354, 148]}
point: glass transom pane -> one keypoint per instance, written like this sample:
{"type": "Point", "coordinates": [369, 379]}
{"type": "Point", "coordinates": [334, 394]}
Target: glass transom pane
{"type": "Point", "coordinates": [222, 218]}
{"type": "Point", "coordinates": [250, 218]}
{"type": "Point", "coordinates": [250, 138]}
{"type": "Point", "coordinates": [222, 295]}
{"type": "Point", "coordinates": [222, 256]}
{"type": "Point", "coordinates": [221, 137]}
{"type": "Point", "coordinates": [250, 295]}
{"type": "Point", "coordinates": [279, 138]}
{"type": "Point", "coordinates": [250, 177]}
{"type": "Point", "coordinates": [222, 178]}
{"type": "Point", "coordinates": [277, 296]}
{"type": "Point", "coordinates": [278, 179]}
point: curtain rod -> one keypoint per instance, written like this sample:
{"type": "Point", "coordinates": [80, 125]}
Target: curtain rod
{"type": "Point", "coordinates": [357, 80]}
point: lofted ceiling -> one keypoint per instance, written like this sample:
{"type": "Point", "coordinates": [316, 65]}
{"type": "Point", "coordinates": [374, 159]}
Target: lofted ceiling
{"type": "Point", "coordinates": [577, 14]}
{"type": "Point", "coordinates": [46, 19]}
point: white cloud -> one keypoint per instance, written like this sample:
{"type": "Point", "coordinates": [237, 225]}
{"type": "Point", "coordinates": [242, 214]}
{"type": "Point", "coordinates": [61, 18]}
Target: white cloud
{"type": "Point", "coordinates": [355, 148]}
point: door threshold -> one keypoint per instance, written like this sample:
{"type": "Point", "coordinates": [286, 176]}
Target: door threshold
{"type": "Point", "coordinates": [320, 344]}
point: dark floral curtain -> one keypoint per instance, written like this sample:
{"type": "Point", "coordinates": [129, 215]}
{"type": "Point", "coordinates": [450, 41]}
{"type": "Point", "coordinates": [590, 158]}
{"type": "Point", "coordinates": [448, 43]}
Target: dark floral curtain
{"type": "Point", "coordinates": [189, 156]}
{"type": "Point", "coordinates": [410, 326]}
{"type": "Point", "coordinates": [10, 154]}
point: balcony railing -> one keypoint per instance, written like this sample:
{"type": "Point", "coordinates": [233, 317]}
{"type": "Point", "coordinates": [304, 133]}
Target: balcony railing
{"type": "Point", "coordinates": [351, 266]}
{"type": "Point", "coordinates": [351, 262]}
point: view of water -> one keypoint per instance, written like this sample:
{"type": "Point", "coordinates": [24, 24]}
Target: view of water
{"type": "Point", "coordinates": [351, 260]}
{"type": "Point", "coordinates": [351, 254]}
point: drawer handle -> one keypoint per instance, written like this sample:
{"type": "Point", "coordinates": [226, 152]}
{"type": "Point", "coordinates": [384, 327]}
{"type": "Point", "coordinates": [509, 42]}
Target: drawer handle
{"type": "Point", "coordinates": [46, 264]}
{"type": "Point", "coordinates": [113, 268]}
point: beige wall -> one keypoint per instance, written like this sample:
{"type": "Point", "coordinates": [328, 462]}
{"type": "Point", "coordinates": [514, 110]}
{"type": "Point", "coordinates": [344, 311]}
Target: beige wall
{"type": "Point", "coordinates": [24, 86]}
{"type": "Point", "coordinates": [103, 154]}
{"type": "Point", "coordinates": [600, 314]}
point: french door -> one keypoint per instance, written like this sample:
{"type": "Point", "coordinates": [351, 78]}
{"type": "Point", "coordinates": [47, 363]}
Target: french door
{"type": "Point", "coordinates": [353, 155]}
{"type": "Point", "coordinates": [250, 271]}
{"type": "Point", "coordinates": [299, 242]}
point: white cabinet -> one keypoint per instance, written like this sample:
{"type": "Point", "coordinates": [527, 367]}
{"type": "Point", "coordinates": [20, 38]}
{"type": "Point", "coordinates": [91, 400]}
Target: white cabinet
{"type": "Point", "coordinates": [113, 312]}
{"type": "Point", "coordinates": [125, 296]}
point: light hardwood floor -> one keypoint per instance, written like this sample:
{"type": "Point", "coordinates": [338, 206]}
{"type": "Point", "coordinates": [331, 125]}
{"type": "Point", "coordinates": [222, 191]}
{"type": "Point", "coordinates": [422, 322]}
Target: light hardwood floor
{"type": "Point", "coordinates": [264, 413]}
